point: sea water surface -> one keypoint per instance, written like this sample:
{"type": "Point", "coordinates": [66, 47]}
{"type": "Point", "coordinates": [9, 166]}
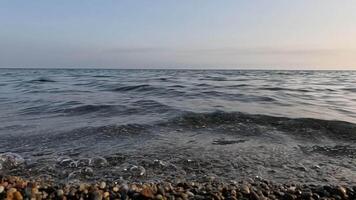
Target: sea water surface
{"type": "Point", "coordinates": [137, 125]}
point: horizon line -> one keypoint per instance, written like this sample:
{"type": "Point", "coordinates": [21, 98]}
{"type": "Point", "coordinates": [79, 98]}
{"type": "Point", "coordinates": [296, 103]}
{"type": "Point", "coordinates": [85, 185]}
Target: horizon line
{"type": "Point", "coordinates": [175, 68]}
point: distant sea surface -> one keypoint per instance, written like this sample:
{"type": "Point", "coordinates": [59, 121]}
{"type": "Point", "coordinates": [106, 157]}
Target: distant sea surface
{"type": "Point", "coordinates": [87, 124]}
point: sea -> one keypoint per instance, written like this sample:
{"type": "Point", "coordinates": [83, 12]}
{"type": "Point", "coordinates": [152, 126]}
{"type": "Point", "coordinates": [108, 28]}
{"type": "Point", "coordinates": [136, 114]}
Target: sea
{"type": "Point", "coordinates": [75, 125]}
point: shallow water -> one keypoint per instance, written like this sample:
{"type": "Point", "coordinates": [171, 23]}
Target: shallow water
{"type": "Point", "coordinates": [74, 125]}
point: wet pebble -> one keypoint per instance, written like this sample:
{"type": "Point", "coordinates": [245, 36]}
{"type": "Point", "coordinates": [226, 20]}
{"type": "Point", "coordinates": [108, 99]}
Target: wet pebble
{"type": "Point", "coordinates": [60, 192]}
{"type": "Point", "coordinates": [102, 185]}
{"type": "Point", "coordinates": [245, 189]}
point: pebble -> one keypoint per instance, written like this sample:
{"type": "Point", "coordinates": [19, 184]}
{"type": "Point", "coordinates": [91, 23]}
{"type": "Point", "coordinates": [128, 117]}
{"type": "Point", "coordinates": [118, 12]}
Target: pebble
{"type": "Point", "coordinates": [147, 193]}
{"type": "Point", "coordinates": [342, 191]}
{"type": "Point", "coordinates": [245, 189]}
{"type": "Point", "coordinates": [97, 195]}
{"type": "Point", "coordinates": [82, 187]}
{"type": "Point", "coordinates": [115, 189]}
{"type": "Point", "coordinates": [106, 194]}
{"type": "Point", "coordinates": [102, 185]}
{"type": "Point", "coordinates": [60, 192]}
{"type": "Point", "coordinates": [190, 194]}
{"type": "Point", "coordinates": [1, 188]}
{"type": "Point", "coordinates": [18, 196]}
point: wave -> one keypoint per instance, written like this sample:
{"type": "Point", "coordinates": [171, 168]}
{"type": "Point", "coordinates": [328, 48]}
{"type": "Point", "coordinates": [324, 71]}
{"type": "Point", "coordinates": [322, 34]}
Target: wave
{"type": "Point", "coordinates": [71, 108]}
{"type": "Point", "coordinates": [303, 128]}
{"type": "Point", "coordinates": [86, 109]}
{"type": "Point", "coordinates": [143, 87]}
{"type": "Point", "coordinates": [42, 80]}
{"type": "Point", "coordinates": [151, 90]}
{"type": "Point", "coordinates": [102, 76]}
{"type": "Point", "coordinates": [210, 78]}
{"type": "Point", "coordinates": [350, 89]}
{"type": "Point", "coordinates": [124, 129]}
{"type": "Point", "coordinates": [238, 85]}
{"type": "Point", "coordinates": [283, 89]}
{"type": "Point", "coordinates": [74, 108]}
{"type": "Point", "coordinates": [177, 86]}
{"type": "Point", "coordinates": [151, 106]}
{"type": "Point", "coordinates": [203, 85]}
{"type": "Point", "coordinates": [240, 97]}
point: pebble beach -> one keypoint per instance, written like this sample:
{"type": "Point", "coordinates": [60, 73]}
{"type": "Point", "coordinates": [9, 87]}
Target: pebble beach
{"type": "Point", "coordinates": [15, 188]}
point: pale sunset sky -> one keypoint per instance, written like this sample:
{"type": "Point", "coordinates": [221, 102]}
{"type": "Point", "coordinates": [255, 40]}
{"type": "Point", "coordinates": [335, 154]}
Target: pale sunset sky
{"type": "Point", "coordinates": [191, 34]}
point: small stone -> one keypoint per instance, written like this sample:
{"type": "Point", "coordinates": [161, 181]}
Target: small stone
{"type": "Point", "coordinates": [233, 193]}
{"type": "Point", "coordinates": [18, 196]}
{"type": "Point", "coordinates": [97, 196]}
{"type": "Point", "coordinates": [147, 193]}
{"type": "Point", "coordinates": [1, 188]}
{"type": "Point", "coordinates": [72, 192]}
{"type": "Point", "coordinates": [102, 185]}
{"type": "Point", "coordinates": [106, 194]}
{"type": "Point", "coordinates": [159, 197]}
{"type": "Point", "coordinates": [60, 192]}
{"type": "Point", "coordinates": [245, 189]}
{"type": "Point", "coordinates": [82, 187]}
{"type": "Point", "coordinates": [160, 190]}
{"type": "Point", "coordinates": [10, 195]}
{"type": "Point", "coordinates": [291, 189]}
{"type": "Point", "coordinates": [44, 195]}
{"type": "Point", "coordinates": [184, 196]}
{"type": "Point", "coordinates": [342, 191]}
{"type": "Point", "coordinates": [115, 189]}
{"type": "Point", "coordinates": [190, 194]}
{"type": "Point", "coordinates": [134, 188]}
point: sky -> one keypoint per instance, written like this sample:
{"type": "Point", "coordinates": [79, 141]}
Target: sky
{"type": "Point", "coordinates": [190, 34]}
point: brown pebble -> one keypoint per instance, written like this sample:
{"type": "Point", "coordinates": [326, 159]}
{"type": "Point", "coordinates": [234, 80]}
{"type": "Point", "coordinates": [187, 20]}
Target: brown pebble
{"type": "Point", "coordinates": [245, 189]}
{"type": "Point", "coordinates": [147, 192]}
{"type": "Point", "coordinates": [18, 196]}
{"type": "Point", "coordinates": [342, 191]}
{"type": "Point", "coordinates": [10, 195]}
{"type": "Point", "coordinates": [106, 194]}
{"type": "Point", "coordinates": [82, 187]}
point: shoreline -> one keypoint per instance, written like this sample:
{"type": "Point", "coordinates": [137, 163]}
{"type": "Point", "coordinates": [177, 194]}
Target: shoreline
{"type": "Point", "coordinates": [16, 188]}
